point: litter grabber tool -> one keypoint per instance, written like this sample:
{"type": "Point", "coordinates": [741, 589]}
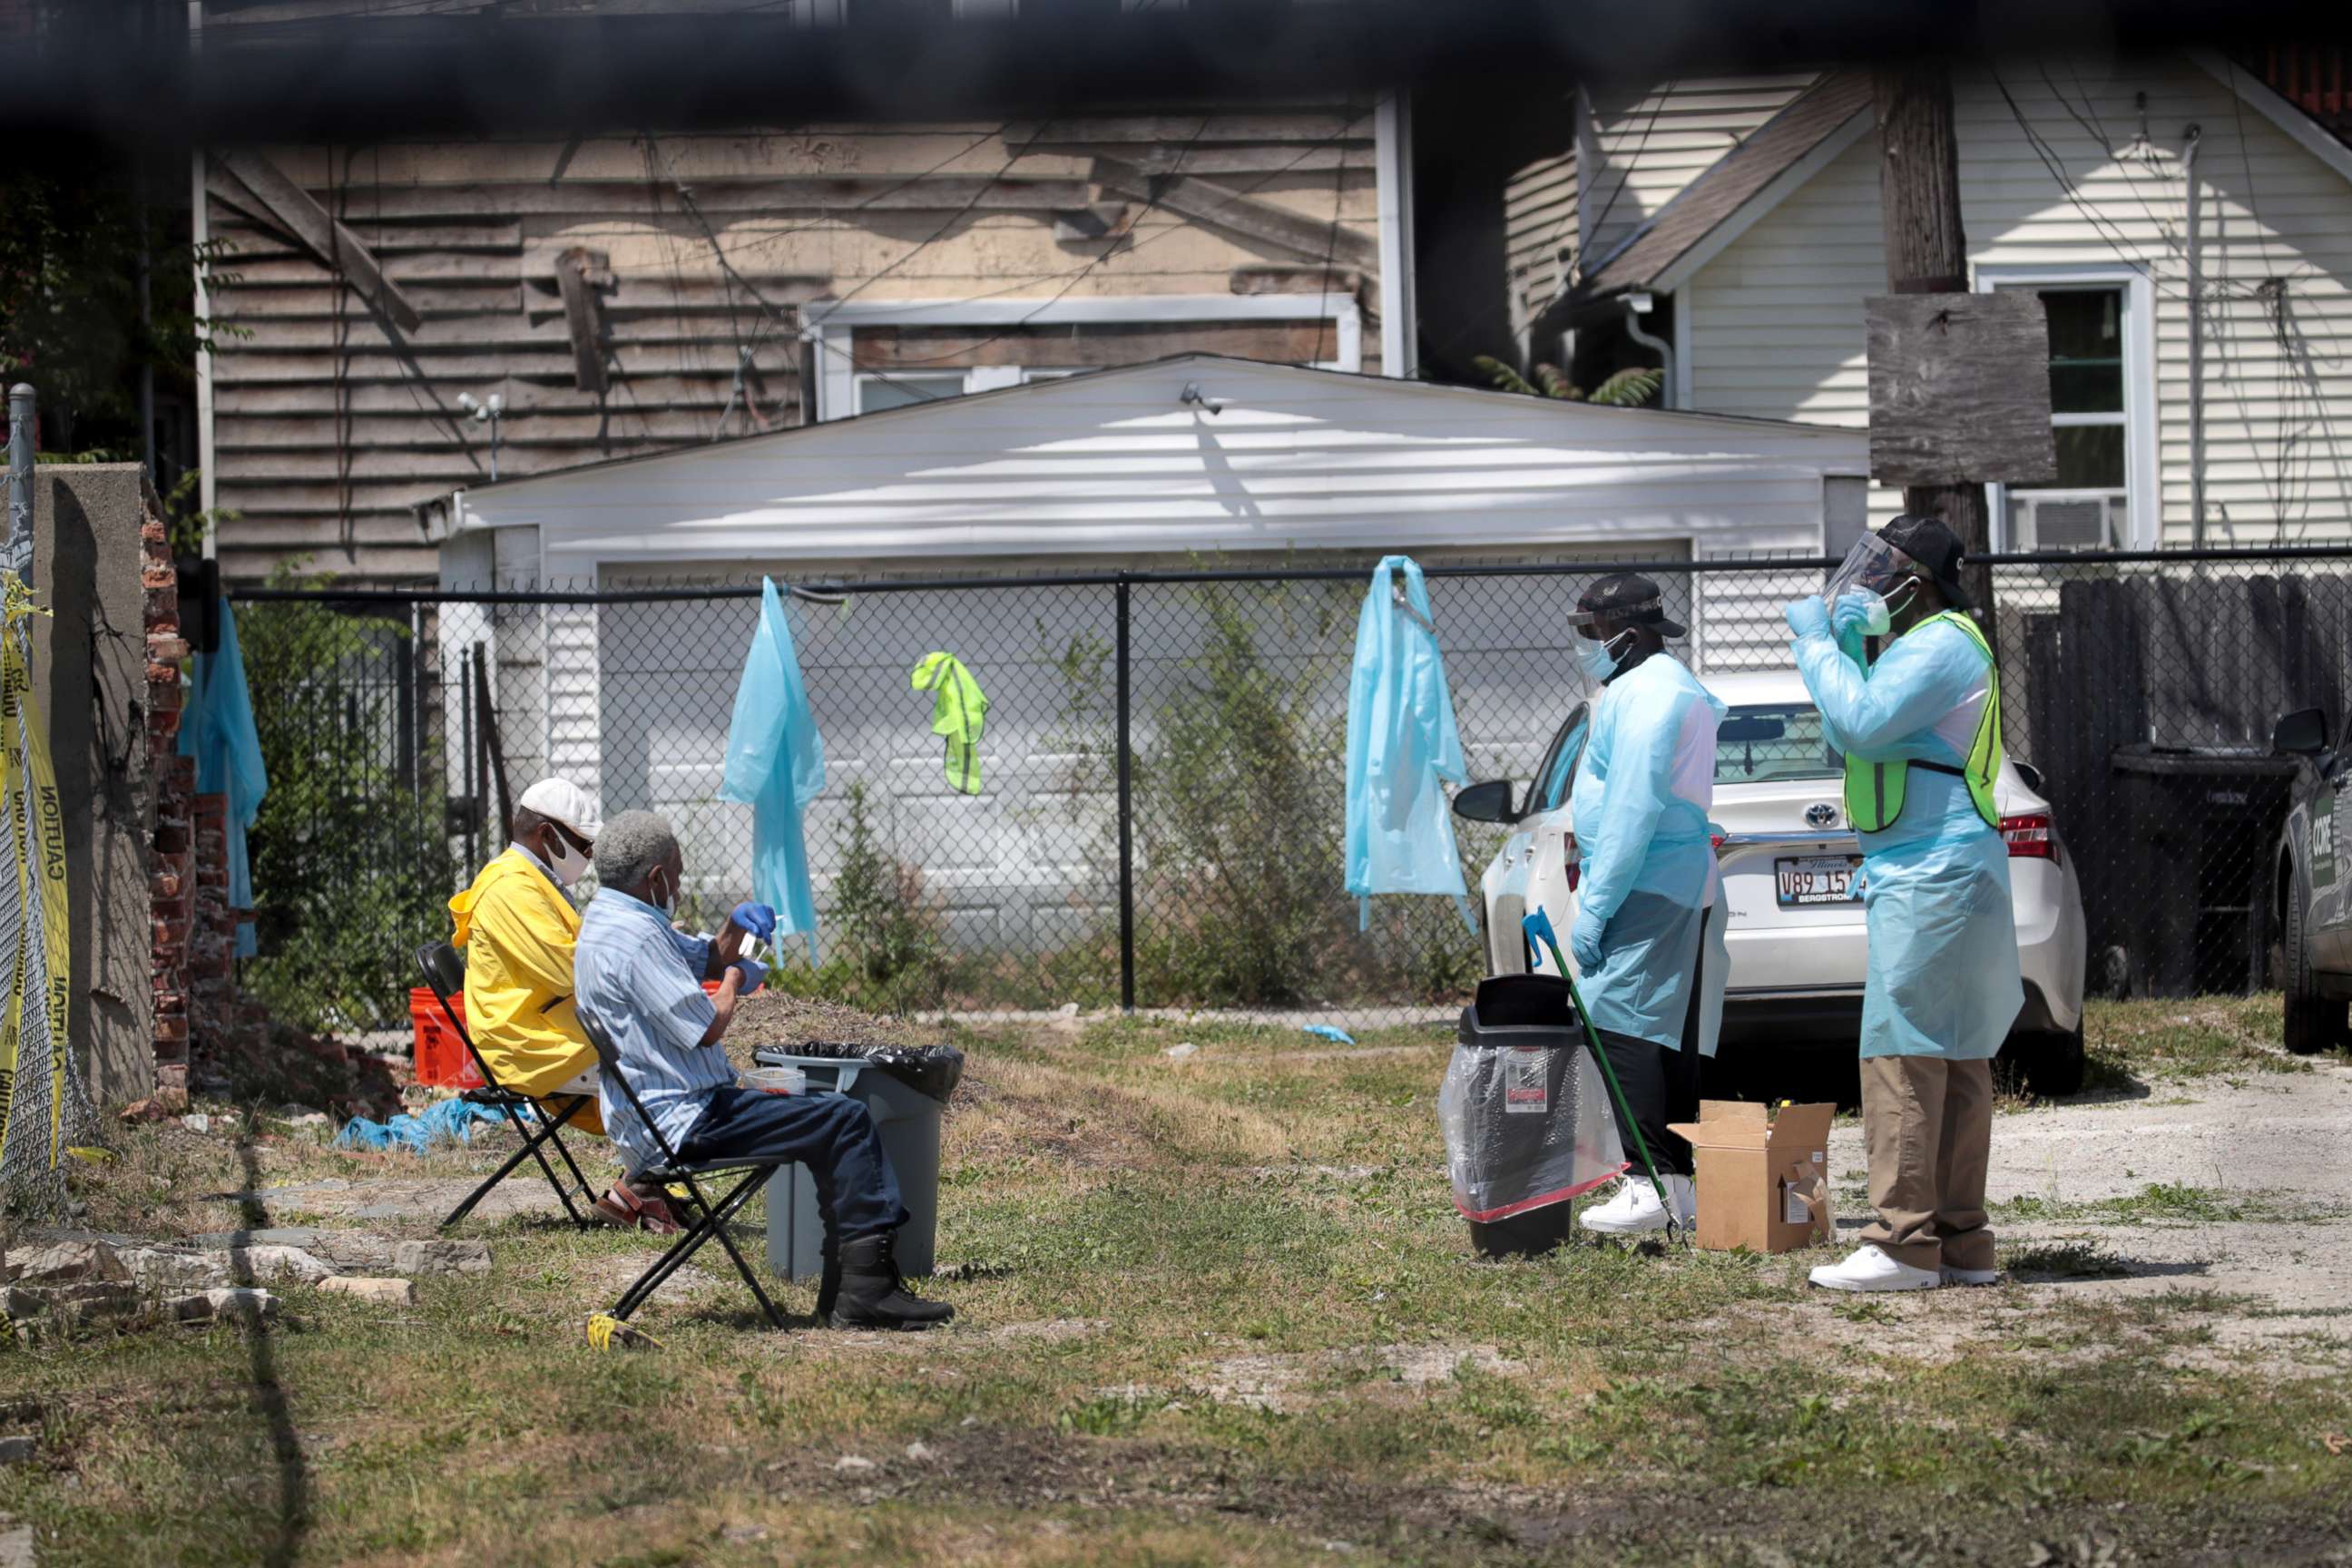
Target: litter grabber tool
{"type": "Point", "coordinates": [1536, 927]}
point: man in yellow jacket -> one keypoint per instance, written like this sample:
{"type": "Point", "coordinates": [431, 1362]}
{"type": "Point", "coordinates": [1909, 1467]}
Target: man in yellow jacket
{"type": "Point", "coordinates": [516, 926]}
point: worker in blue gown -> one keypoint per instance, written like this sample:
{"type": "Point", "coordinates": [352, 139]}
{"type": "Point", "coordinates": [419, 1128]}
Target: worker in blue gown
{"type": "Point", "coordinates": [1919, 725]}
{"type": "Point", "coordinates": [1647, 941]}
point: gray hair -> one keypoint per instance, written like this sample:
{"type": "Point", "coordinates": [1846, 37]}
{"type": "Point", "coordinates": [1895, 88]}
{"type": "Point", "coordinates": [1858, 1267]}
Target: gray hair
{"type": "Point", "coordinates": [630, 847]}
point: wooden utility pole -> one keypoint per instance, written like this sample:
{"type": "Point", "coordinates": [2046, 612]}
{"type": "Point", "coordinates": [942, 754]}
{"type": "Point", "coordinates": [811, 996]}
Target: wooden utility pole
{"type": "Point", "coordinates": [1927, 253]}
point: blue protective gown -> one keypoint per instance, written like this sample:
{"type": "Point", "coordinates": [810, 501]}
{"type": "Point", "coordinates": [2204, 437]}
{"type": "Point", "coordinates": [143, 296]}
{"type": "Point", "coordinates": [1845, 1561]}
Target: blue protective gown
{"type": "Point", "coordinates": [218, 729]}
{"type": "Point", "coordinates": [1401, 742]}
{"type": "Point", "coordinates": [775, 764]}
{"type": "Point", "coordinates": [1646, 863]}
{"type": "Point", "coordinates": [1943, 975]}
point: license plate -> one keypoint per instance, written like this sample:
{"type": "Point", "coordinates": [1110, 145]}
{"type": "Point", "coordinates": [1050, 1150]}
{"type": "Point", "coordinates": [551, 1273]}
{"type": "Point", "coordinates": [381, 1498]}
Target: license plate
{"type": "Point", "coordinates": [1805, 879]}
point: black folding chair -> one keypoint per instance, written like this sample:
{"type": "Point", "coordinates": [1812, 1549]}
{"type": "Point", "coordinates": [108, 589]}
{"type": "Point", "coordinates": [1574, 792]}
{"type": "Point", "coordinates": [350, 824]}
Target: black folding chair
{"type": "Point", "coordinates": [704, 1219]}
{"type": "Point", "coordinates": [445, 972]}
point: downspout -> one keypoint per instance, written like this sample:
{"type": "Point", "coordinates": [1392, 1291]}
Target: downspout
{"type": "Point", "coordinates": [2196, 343]}
{"type": "Point", "coordinates": [1636, 307]}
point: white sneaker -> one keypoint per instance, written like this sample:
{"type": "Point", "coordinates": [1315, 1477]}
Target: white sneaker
{"type": "Point", "coordinates": [1635, 1209]}
{"type": "Point", "coordinates": [1868, 1268]}
{"type": "Point", "coordinates": [1970, 1276]}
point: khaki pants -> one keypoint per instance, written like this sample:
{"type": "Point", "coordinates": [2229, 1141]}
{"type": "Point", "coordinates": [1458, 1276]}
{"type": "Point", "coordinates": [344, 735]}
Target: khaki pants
{"type": "Point", "coordinates": [1927, 1124]}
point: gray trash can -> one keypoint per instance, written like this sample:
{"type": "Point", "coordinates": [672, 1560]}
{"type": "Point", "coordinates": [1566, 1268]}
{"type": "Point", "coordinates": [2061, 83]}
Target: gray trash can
{"type": "Point", "coordinates": [906, 1091]}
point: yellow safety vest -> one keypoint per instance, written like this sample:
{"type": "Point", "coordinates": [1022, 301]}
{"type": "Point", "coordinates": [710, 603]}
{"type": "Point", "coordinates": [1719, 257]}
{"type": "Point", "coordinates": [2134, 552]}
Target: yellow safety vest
{"type": "Point", "coordinates": [1875, 791]}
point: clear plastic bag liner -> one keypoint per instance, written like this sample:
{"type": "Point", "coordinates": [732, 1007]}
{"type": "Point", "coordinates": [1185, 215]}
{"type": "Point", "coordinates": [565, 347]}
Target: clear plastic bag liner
{"type": "Point", "coordinates": [1527, 1120]}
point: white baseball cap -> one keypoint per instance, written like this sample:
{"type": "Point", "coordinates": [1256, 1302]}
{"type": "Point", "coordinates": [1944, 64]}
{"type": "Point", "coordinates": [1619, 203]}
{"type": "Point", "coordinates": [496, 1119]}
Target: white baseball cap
{"type": "Point", "coordinates": [567, 803]}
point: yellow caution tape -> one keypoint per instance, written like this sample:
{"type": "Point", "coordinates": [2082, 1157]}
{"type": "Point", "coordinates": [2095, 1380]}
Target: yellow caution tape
{"type": "Point", "coordinates": [605, 1330]}
{"type": "Point", "coordinates": [35, 830]}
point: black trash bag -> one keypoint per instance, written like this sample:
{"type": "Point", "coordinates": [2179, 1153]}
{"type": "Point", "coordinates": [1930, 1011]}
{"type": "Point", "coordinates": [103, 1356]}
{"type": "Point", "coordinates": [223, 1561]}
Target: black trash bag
{"type": "Point", "coordinates": [933, 1070]}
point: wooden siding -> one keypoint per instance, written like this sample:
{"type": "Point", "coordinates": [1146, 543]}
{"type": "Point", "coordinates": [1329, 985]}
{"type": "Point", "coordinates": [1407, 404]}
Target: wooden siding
{"type": "Point", "coordinates": [1539, 236]}
{"type": "Point", "coordinates": [330, 424]}
{"type": "Point", "coordinates": [1775, 321]}
{"type": "Point", "coordinates": [1651, 145]}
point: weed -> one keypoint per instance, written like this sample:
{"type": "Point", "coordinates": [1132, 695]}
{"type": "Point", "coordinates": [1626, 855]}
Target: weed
{"type": "Point", "coordinates": [2065, 1260]}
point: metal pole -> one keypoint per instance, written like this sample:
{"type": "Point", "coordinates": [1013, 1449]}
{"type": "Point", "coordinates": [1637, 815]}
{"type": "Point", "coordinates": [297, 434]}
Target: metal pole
{"type": "Point", "coordinates": [1126, 819]}
{"type": "Point", "coordinates": [18, 557]}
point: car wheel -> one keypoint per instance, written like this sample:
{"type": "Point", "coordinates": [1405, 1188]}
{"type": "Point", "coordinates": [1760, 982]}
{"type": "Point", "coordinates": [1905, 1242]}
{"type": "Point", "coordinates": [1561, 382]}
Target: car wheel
{"type": "Point", "coordinates": [2312, 1022]}
{"type": "Point", "coordinates": [2045, 1063]}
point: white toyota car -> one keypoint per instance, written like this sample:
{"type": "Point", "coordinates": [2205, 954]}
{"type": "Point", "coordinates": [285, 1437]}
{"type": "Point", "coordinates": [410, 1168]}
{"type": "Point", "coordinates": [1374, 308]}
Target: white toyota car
{"type": "Point", "coordinates": [1792, 879]}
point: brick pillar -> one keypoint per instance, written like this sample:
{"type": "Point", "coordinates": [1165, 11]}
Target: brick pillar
{"type": "Point", "coordinates": [172, 888]}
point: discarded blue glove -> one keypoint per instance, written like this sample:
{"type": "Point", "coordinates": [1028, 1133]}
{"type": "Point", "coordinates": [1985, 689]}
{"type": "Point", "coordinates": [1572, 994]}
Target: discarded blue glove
{"type": "Point", "coordinates": [1331, 1032]}
{"type": "Point", "coordinates": [1808, 616]}
{"type": "Point", "coordinates": [450, 1120]}
{"type": "Point", "coordinates": [1584, 941]}
{"type": "Point", "coordinates": [754, 973]}
{"type": "Point", "coordinates": [756, 919]}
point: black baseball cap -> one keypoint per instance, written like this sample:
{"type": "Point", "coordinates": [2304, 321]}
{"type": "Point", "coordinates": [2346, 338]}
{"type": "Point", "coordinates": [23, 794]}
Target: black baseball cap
{"type": "Point", "coordinates": [1930, 541]}
{"type": "Point", "coordinates": [1627, 597]}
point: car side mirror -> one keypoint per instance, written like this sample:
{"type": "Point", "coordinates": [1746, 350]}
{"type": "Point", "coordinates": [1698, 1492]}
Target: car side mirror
{"type": "Point", "coordinates": [2031, 775]}
{"type": "Point", "coordinates": [1488, 801]}
{"type": "Point", "coordinates": [2303, 732]}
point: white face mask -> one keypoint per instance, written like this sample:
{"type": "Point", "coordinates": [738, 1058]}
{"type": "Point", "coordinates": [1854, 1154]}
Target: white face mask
{"type": "Point", "coordinates": [666, 903]}
{"type": "Point", "coordinates": [568, 863]}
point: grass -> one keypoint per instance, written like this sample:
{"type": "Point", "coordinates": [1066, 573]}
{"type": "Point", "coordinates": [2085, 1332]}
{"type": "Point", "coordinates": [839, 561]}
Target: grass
{"type": "Point", "coordinates": [2158, 1202]}
{"type": "Point", "coordinates": [1212, 1311]}
{"type": "Point", "coordinates": [2152, 1040]}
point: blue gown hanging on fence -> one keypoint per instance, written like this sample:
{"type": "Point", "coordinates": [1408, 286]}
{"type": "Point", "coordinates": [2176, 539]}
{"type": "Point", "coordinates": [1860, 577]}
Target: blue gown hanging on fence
{"type": "Point", "coordinates": [1401, 742]}
{"type": "Point", "coordinates": [217, 730]}
{"type": "Point", "coordinates": [775, 764]}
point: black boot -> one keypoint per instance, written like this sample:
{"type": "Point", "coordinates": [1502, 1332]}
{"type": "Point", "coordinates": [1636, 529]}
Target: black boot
{"type": "Point", "coordinates": [874, 1296]}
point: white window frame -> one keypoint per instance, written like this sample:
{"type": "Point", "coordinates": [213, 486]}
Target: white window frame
{"type": "Point", "coordinates": [828, 328]}
{"type": "Point", "coordinates": [2144, 503]}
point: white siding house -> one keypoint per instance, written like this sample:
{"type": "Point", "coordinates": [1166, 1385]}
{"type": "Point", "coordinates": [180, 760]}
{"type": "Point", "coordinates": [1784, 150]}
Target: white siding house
{"type": "Point", "coordinates": [1188, 462]}
{"type": "Point", "coordinates": [2151, 203]}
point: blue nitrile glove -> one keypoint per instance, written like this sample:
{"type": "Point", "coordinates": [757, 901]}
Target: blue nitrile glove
{"type": "Point", "coordinates": [756, 919]}
{"type": "Point", "coordinates": [1584, 941]}
{"type": "Point", "coordinates": [755, 974]}
{"type": "Point", "coordinates": [1808, 616]}
{"type": "Point", "coordinates": [1853, 613]}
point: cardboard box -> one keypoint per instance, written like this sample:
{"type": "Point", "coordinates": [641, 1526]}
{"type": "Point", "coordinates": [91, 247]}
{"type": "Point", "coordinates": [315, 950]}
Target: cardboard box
{"type": "Point", "coordinates": [1763, 1174]}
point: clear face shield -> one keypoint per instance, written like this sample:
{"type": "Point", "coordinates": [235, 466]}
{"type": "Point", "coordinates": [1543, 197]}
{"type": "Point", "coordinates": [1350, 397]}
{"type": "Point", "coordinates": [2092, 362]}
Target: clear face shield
{"type": "Point", "coordinates": [1870, 573]}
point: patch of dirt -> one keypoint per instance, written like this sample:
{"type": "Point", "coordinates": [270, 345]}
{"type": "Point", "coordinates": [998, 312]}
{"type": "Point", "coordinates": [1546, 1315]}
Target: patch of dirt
{"type": "Point", "coordinates": [993, 1467]}
{"type": "Point", "coordinates": [2278, 1136]}
{"type": "Point", "coordinates": [1291, 1383]}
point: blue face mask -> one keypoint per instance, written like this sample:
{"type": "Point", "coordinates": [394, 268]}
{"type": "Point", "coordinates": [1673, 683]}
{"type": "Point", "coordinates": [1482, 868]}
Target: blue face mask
{"type": "Point", "coordinates": [1597, 661]}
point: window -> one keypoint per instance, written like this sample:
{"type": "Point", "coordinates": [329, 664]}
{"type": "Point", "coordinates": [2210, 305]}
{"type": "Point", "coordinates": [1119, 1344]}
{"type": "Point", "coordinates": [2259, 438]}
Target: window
{"type": "Point", "coordinates": [2100, 410]}
{"type": "Point", "coordinates": [1761, 744]}
{"type": "Point", "coordinates": [876, 393]}
{"type": "Point", "coordinates": [1557, 772]}
{"type": "Point", "coordinates": [877, 390]}
{"type": "Point", "coordinates": [843, 387]}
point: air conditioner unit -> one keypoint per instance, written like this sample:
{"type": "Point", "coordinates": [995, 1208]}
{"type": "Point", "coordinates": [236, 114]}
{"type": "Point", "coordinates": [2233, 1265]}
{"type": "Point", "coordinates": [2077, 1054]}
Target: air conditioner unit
{"type": "Point", "coordinates": [2066, 521]}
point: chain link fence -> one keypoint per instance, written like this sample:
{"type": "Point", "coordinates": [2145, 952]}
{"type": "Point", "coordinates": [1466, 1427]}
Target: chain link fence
{"type": "Point", "coordinates": [1163, 778]}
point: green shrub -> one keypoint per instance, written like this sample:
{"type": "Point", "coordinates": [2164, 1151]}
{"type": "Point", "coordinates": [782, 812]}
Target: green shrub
{"type": "Point", "coordinates": [351, 865]}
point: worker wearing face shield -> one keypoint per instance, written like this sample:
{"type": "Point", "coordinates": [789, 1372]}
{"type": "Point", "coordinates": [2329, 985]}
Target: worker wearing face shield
{"type": "Point", "coordinates": [1647, 941]}
{"type": "Point", "coordinates": [1909, 691]}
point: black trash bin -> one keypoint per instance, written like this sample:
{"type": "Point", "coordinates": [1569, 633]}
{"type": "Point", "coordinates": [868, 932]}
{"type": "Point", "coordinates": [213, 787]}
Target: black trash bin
{"type": "Point", "coordinates": [2187, 896]}
{"type": "Point", "coordinates": [1525, 1116]}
